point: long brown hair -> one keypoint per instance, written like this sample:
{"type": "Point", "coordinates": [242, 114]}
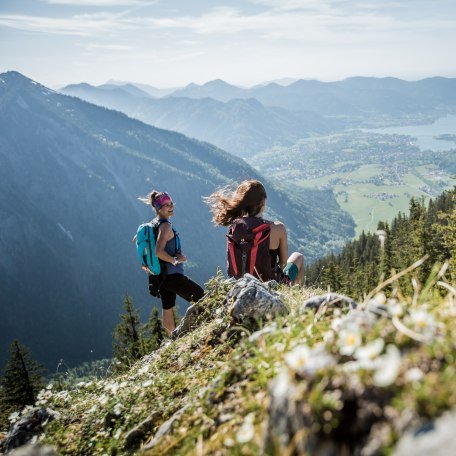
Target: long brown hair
{"type": "Point", "coordinates": [247, 199]}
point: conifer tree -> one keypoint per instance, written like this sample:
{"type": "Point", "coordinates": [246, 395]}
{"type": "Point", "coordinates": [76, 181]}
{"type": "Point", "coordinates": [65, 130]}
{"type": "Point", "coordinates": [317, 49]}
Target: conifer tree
{"type": "Point", "coordinates": [153, 332]}
{"type": "Point", "coordinates": [21, 381]}
{"type": "Point", "coordinates": [128, 344]}
{"type": "Point", "coordinates": [447, 230]}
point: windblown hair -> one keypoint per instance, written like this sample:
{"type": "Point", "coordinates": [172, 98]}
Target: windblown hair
{"type": "Point", "coordinates": [150, 198]}
{"type": "Point", "coordinates": [226, 206]}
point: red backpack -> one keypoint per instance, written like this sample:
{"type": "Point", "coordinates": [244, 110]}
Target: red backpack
{"type": "Point", "coordinates": [248, 248]}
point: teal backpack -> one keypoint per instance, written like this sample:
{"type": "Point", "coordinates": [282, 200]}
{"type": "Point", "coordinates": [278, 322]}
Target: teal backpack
{"type": "Point", "coordinates": [146, 237]}
{"type": "Point", "coordinates": [145, 246]}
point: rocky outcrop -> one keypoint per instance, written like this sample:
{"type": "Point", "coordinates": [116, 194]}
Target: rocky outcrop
{"type": "Point", "coordinates": [251, 301]}
{"type": "Point", "coordinates": [31, 425]}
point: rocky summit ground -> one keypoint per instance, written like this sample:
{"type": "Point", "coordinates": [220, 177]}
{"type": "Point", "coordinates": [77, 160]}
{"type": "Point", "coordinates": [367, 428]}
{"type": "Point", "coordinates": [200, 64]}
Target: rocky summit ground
{"type": "Point", "coordinates": [265, 369]}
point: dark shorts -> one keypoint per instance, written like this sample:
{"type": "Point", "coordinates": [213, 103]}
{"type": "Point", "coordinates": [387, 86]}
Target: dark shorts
{"type": "Point", "coordinates": [179, 285]}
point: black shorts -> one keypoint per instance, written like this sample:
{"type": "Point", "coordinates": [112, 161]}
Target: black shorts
{"type": "Point", "coordinates": [179, 284]}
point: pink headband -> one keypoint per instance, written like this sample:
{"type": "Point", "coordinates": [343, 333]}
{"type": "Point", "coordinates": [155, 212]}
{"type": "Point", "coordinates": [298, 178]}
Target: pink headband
{"type": "Point", "coordinates": [161, 200]}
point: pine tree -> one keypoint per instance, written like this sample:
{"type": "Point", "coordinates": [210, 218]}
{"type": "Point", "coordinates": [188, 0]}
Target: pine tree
{"type": "Point", "coordinates": [21, 381]}
{"type": "Point", "coordinates": [447, 231]}
{"type": "Point", "coordinates": [153, 332]}
{"type": "Point", "coordinates": [128, 344]}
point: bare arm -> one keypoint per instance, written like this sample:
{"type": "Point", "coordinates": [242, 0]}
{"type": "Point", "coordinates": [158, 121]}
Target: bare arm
{"type": "Point", "coordinates": [283, 245]}
{"type": "Point", "coordinates": [165, 233]}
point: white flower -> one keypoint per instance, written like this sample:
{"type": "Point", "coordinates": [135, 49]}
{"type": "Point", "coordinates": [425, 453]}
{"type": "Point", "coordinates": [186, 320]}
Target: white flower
{"type": "Point", "coordinates": [336, 324]}
{"type": "Point", "coordinates": [306, 361]}
{"type": "Point", "coordinates": [415, 374]}
{"type": "Point", "coordinates": [147, 383]}
{"type": "Point", "coordinates": [118, 408]}
{"type": "Point", "coordinates": [103, 399]}
{"type": "Point", "coordinates": [395, 308]}
{"type": "Point", "coordinates": [117, 435]}
{"type": "Point", "coordinates": [143, 370]}
{"type": "Point", "coordinates": [379, 299]}
{"type": "Point", "coordinates": [349, 340]}
{"type": "Point", "coordinates": [423, 322]}
{"type": "Point", "coordinates": [388, 367]}
{"type": "Point", "coordinates": [247, 431]}
{"type": "Point", "coordinates": [370, 351]}
{"type": "Point", "coordinates": [328, 337]}
{"type": "Point", "coordinates": [112, 388]}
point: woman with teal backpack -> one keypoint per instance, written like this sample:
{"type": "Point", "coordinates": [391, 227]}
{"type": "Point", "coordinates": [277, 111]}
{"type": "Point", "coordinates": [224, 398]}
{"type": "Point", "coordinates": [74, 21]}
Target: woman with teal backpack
{"type": "Point", "coordinates": [165, 243]}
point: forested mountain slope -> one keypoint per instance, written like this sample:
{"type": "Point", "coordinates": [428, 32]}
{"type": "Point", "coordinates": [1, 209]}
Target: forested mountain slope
{"type": "Point", "coordinates": [70, 176]}
{"type": "Point", "coordinates": [426, 231]}
{"type": "Point", "coordinates": [240, 126]}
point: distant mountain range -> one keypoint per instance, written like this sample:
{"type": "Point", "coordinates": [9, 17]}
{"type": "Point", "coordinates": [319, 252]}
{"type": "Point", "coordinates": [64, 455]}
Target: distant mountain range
{"type": "Point", "coordinates": [240, 126]}
{"type": "Point", "coordinates": [151, 90]}
{"type": "Point", "coordinates": [70, 176]}
{"type": "Point", "coordinates": [355, 96]}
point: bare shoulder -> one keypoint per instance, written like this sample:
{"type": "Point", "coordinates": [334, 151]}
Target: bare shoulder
{"type": "Point", "coordinates": [277, 226]}
{"type": "Point", "coordinates": [165, 228]}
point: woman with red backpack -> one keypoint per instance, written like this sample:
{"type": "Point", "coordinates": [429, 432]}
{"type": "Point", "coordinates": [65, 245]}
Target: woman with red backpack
{"type": "Point", "coordinates": [255, 245]}
{"type": "Point", "coordinates": [171, 281]}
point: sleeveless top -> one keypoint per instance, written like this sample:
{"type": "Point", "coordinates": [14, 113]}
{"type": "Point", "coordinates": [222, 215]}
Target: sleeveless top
{"type": "Point", "coordinates": [170, 249]}
{"type": "Point", "coordinates": [274, 258]}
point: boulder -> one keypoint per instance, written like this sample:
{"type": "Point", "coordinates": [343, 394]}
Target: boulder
{"type": "Point", "coordinates": [250, 301]}
{"type": "Point", "coordinates": [29, 426]}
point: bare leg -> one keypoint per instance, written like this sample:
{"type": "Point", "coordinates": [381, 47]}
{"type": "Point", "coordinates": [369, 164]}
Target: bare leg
{"type": "Point", "coordinates": [298, 259]}
{"type": "Point", "coordinates": [168, 320]}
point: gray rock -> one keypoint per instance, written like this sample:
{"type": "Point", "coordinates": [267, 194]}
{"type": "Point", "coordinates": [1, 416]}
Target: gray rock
{"type": "Point", "coordinates": [165, 428]}
{"type": "Point", "coordinates": [189, 321]}
{"type": "Point", "coordinates": [250, 301]}
{"type": "Point", "coordinates": [437, 438]}
{"type": "Point", "coordinates": [266, 330]}
{"type": "Point", "coordinates": [29, 426]}
{"type": "Point", "coordinates": [334, 299]}
{"type": "Point", "coordinates": [135, 437]}
{"type": "Point", "coordinates": [34, 450]}
{"type": "Point", "coordinates": [284, 420]}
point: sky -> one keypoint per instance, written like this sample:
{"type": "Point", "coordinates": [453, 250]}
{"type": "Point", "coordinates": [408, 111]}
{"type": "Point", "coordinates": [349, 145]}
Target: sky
{"type": "Point", "coordinates": [170, 43]}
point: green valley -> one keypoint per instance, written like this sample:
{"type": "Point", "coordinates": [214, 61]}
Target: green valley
{"type": "Point", "coordinates": [372, 175]}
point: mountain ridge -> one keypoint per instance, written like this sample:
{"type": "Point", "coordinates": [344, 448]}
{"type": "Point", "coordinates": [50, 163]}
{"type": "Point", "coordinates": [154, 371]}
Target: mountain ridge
{"type": "Point", "coordinates": [72, 170]}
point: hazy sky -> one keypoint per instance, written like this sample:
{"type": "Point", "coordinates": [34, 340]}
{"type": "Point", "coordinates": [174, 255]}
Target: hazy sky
{"type": "Point", "coordinates": [170, 43]}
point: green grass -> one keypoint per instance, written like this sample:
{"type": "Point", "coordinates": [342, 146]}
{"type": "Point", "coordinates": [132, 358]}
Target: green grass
{"type": "Point", "coordinates": [224, 379]}
{"type": "Point", "coordinates": [367, 212]}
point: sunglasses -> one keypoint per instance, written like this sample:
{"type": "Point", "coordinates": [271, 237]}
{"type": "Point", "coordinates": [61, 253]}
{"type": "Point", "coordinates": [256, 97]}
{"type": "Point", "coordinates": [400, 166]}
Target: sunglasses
{"type": "Point", "coordinates": [170, 204]}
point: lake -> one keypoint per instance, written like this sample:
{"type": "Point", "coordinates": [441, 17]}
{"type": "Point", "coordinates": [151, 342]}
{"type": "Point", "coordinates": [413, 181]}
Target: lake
{"type": "Point", "coordinates": [424, 134]}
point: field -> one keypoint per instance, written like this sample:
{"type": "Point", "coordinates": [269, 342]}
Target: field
{"type": "Point", "coordinates": [373, 176]}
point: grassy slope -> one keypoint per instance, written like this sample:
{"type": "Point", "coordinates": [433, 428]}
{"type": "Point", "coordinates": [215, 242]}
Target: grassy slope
{"type": "Point", "coordinates": [237, 373]}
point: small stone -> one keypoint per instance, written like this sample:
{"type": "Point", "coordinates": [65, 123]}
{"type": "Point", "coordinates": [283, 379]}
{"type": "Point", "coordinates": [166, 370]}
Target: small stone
{"type": "Point", "coordinates": [134, 438]}
{"type": "Point", "coordinates": [335, 299]}
{"type": "Point", "coordinates": [165, 428]}
{"type": "Point", "coordinates": [34, 450]}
